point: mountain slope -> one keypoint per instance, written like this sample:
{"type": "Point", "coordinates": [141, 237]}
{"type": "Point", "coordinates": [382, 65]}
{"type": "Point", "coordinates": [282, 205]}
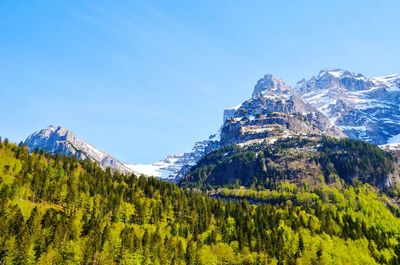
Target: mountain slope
{"type": "Point", "coordinates": [59, 140]}
{"type": "Point", "coordinates": [174, 167]}
{"type": "Point", "coordinates": [364, 108]}
{"type": "Point", "coordinates": [310, 161]}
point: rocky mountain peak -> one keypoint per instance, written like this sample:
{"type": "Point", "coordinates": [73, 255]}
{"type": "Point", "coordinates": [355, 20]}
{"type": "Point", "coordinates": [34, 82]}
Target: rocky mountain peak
{"type": "Point", "coordinates": [274, 111]}
{"type": "Point", "coordinates": [336, 80]}
{"type": "Point", "coordinates": [60, 140]}
{"type": "Point", "coordinates": [50, 138]}
{"type": "Point", "coordinates": [270, 85]}
{"type": "Point", "coordinates": [338, 73]}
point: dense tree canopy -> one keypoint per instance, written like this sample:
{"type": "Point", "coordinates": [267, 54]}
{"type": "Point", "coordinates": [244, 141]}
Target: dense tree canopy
{"type": "Point", "coordinates": [299, 160]}
{"type": "Point", "coordinates": [58, 210]}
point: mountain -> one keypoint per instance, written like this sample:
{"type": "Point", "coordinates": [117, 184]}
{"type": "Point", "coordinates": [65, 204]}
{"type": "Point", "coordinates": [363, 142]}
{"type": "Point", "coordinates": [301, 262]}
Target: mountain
{"type": "Point", "coordinates": [280, 132]}
{"type": "Point", "coordinates": [279, 184]}
{"type": "Point", "coordinates": [332, 103]}
{"type": "Point", "coordinates": [274, 111]}
{"type": "Point", "coordinates": [59, 140]}
{"type": "Point", "coordinates": [174, 167]}
{"type": "Point", "coordinates": [336, 103]}
{"type": "Point", "coordinates": [366, 108]}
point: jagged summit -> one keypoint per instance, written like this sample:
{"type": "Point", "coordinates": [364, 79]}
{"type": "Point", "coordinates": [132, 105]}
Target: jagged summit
{"type": "Point", "coordinates": [52, 139]}
{"type": "Point", "coordinates": [274, 111]}
{"type": "Point", "coordinates": [343, 73]}
{"type": "Point", "coordinates": [339, 72]}
{"type": "Point", "coordinates": [336, 79]}
{"type": "Point", "coordinates": [270, 85]}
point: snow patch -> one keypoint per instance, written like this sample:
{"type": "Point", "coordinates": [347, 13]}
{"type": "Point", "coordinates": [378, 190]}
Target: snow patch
{"type": "Point", "coordinates": [395, 139]}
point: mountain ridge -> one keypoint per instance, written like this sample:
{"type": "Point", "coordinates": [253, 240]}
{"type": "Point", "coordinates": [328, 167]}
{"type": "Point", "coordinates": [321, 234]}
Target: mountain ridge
{"type": "Point", "coordinates": [60, 140]}
{"type": "Point", "coordinates": [365, 108]}
{"type": "Point", "coordinates": [333, 101]}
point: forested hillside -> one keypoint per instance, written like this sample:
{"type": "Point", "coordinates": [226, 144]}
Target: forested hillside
{"type": "Point", "coordinates": [59, 210]}
{"type": "Point", "coordinates": [303, 161]}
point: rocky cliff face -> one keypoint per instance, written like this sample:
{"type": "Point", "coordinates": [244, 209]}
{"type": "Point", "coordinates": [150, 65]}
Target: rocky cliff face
{"type": "Point", "coordinates": [274, 111]}
{"type": "Point", "coordinates": [364, 108]}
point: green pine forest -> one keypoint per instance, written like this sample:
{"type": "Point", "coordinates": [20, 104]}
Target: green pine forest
{"type": "Point", "coordinates": [59, 210]}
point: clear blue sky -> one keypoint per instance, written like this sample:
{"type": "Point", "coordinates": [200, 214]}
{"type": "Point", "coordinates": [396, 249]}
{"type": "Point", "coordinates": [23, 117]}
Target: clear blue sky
{"type": "Point", "coordinates": [143, 79]}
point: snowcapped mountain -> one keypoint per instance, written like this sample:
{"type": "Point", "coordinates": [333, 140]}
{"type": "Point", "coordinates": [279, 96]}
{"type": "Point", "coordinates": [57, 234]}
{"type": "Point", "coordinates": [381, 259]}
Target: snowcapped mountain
{"type": "Point", "coordinates": [273, 111]}
{"type": "Point", "coordinates": [173, 167]}
{"type": "Point", "coordinates": [335, 102]}
{"type": "Point", "coordinates": [59, 140]}
{"type": "Point", "coordinates": [363, 107]}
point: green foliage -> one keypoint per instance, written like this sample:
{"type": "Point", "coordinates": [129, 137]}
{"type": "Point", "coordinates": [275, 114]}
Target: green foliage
{"type": "Point", "coordinates": [302, 161]}
{"type": "Point", "coordinates": [356, 159]}
{"type": "Point", "coordinates": [58, 210]}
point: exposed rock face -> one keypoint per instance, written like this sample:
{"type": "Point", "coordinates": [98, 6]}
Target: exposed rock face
{"type": "Point", "coordinates": [270, 85]}
{"type": "Point", "coordinates": [274, 111]}
{"type": "Point", "coordinates": [59, 140]}
{"type": "Point", "coordinates": [364, 108]}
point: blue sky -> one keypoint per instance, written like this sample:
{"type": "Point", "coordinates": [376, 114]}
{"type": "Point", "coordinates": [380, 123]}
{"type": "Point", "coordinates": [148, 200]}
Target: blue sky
{"type": "Point", "coordinates": [144, 79]}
